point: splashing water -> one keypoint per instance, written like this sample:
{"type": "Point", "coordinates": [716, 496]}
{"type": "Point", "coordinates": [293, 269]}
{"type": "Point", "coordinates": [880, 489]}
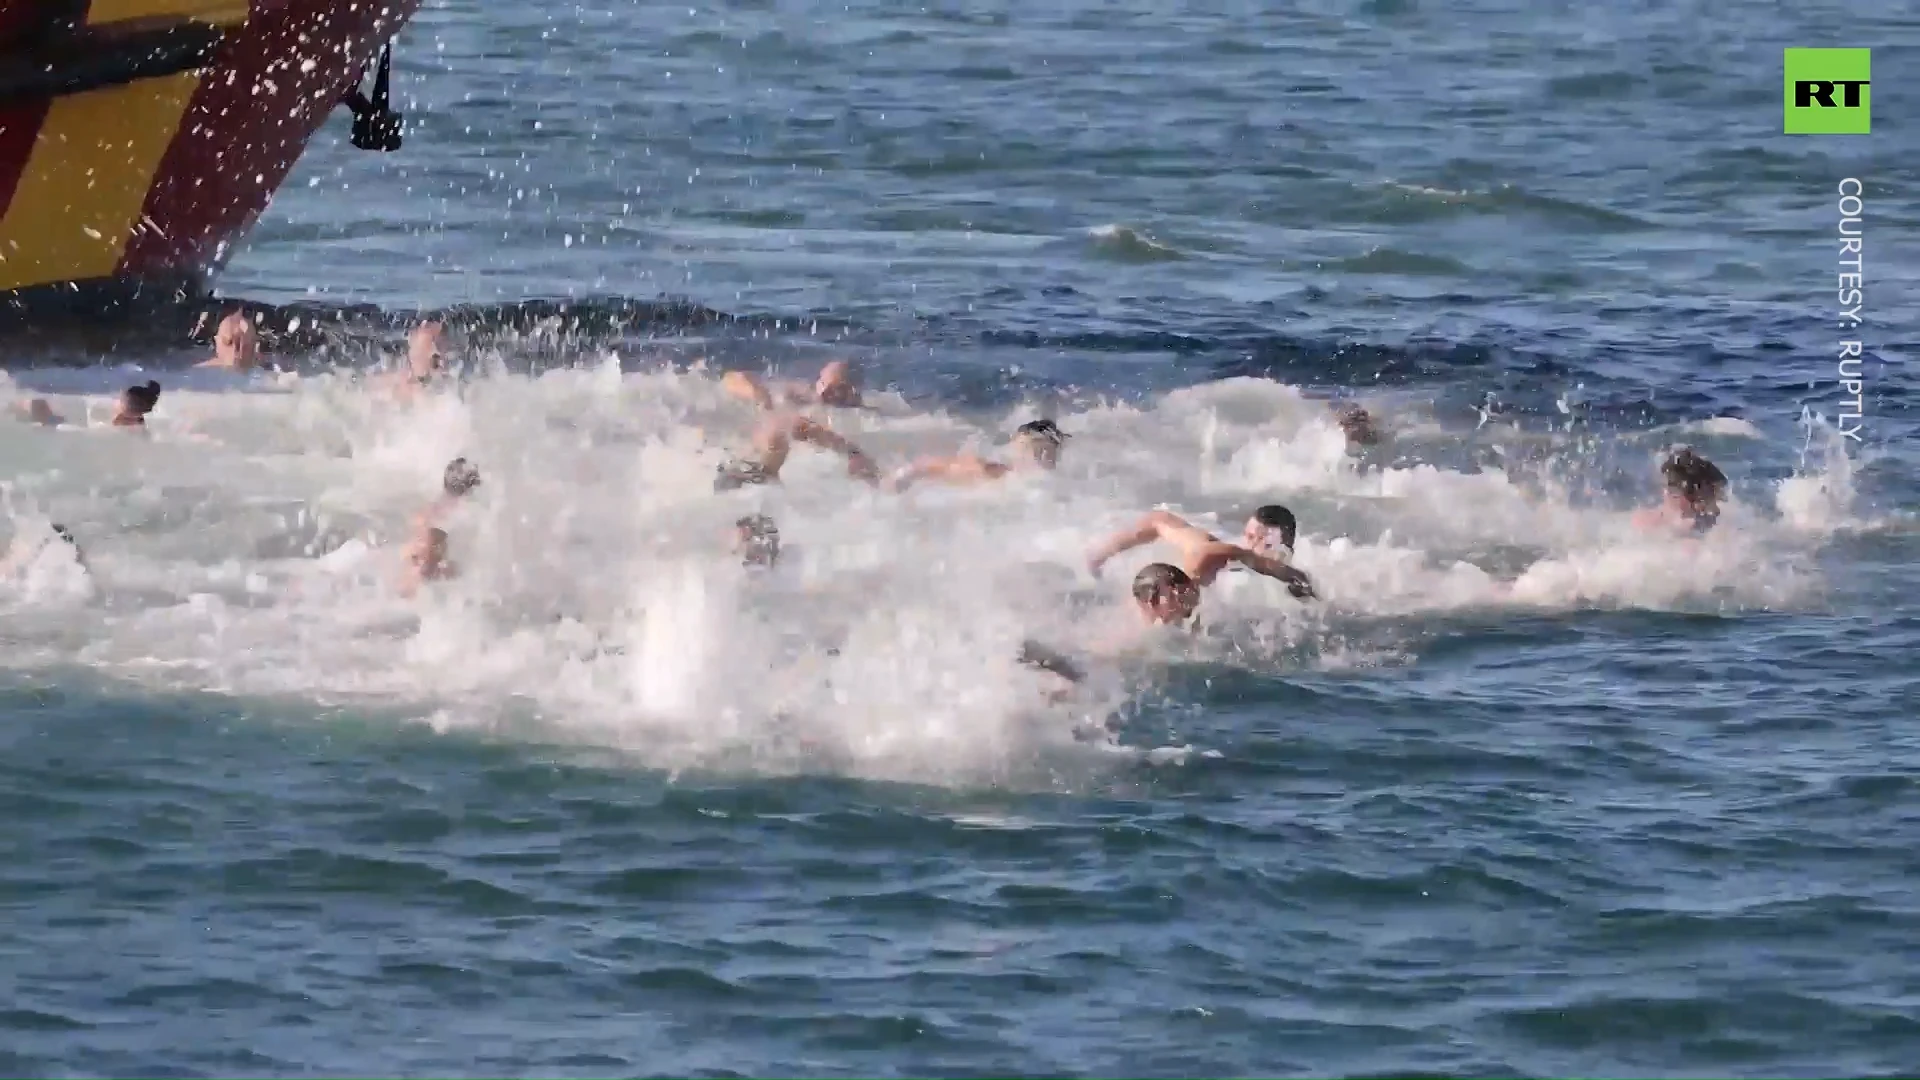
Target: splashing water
{"type": "Point", "coordinates": [249, 547]}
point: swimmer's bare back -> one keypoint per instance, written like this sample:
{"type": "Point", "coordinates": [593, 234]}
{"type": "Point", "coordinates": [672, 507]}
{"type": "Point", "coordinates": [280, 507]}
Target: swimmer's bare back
{"type": "Point", "coordinates": [1202, 554]}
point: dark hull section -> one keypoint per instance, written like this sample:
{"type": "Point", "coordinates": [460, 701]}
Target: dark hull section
{"type": "Point", "coordinates": [140, 139]}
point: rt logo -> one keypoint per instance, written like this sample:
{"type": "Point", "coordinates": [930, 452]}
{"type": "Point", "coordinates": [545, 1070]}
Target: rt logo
{"type": "Point", "coordinates": [1828, 92]}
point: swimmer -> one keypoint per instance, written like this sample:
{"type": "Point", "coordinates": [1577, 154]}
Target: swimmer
{"type": "Point", "coordinates": [773, 440]}
{"type": "Point", "coordinates": [1358, 425]}
{"type": "Point", "coordinates": [1267, 544]}
{"type": "Point", "coordinates": [457, 481]}
{"type": "Point", "coordinates": [1691, 501]}
{"type": "Point", "coordinates": [39, 412]}
{"type": "Point", "coordinates": [1037, 449]}
{"type": "Point", "coordinates": [837, 387]}
{"type": "Point", "coordinates": [1165, 595]}
{"type": "Point", "coordinates": [236, 345]}
{"type": "Point", "coordinates": [25, 550]}
{"type": "Point", "coordinates": [426, 362]}
{"type": "Point", "coordinates": [135, 403]}
{"type": "Point", "coordinates": [426, 560]}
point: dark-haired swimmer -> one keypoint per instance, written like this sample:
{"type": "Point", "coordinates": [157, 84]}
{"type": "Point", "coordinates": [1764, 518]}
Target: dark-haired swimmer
{"type": "Point", "coordinates": [1267, 544]}
{"type": "Point", "coordinates": [773, 440]}
{"type": "Point", "coordinates": [1691, 501]}
{"type": "Point", "coordinates": [426, 363]}
{"type": "Point", "coordinates": [457, 481]}
{"type": "Point", "coordinates": [1165, 594]}
{"type": "Point", "coordinates": [135, 403]}
{"type": "Point", "coordinates": [1036, 444]}
{"type": "Point", "coordinates": [1358, 426]}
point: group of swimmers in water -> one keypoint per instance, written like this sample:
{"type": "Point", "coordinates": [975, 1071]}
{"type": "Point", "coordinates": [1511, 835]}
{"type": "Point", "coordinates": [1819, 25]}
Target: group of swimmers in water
{"type": "Point", "coordinates": [787, 413]}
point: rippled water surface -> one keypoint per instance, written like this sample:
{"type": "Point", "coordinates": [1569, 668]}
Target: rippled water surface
{"type": "Point", "coordinates": [1529, 791]}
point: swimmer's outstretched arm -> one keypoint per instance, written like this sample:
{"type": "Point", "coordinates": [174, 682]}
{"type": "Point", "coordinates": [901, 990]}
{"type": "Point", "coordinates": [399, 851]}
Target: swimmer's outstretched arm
{"type": "Point", "coordinates": [1158, 525]}
{"type": "Point", "coordinates": [1297, 582]}
{"type": "Point", "coordinates": [859, 465]}
{"type": "Point", "coordinates": [959, 469]}
{"type": "Point", "coordinates": [747, 388]}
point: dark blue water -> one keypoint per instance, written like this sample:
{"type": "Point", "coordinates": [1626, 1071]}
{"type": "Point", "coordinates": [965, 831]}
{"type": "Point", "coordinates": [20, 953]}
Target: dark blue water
{"type": "Point", "coordinates": [1530, 793]}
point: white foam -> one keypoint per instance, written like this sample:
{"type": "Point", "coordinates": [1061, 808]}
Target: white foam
{"type": "Point", "coordinates": [598, 602]}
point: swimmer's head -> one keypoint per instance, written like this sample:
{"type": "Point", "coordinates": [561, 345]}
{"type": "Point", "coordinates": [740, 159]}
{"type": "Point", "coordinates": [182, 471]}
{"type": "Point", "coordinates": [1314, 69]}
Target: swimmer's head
{"type": "Point", "coordinates": [236, 344]}
{"type": "Point", "coordinates": [428, 553]}
{"type": "Point", "coordinates": [1165, 594]}
{"type": "Point", "coordinates": [460, 478]}
{"type": "Point", "coordinates": [757, 540]}
{"type": "Point", "coordinates": [838, 385]}
{"type": "Point", "coordinates": [39, 412]}
{"type": "Point", "coordinates": [740, 473]}
{"type": "Point", "coordinates": [1041, 439]}
{"type": "Point", "coordinates": [1358, 426]}
{"type": "Point", "coordinates": [138, 401]}
{"type": "Point", "coordinates": [426, 349]}
{"type": "Point", "coordinates": [1695, 483]}
{"type": "Point", "coordinates": [1270, 531]}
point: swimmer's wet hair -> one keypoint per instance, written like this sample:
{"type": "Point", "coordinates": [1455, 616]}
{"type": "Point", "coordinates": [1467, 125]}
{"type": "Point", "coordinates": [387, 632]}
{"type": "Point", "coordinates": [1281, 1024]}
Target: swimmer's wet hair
{"type": "Point", "coordinates": [1693, 476]}
{"type": "Point", "coordinates": [1043, 429]}
{"type": "Point", "coordinates": [1279, 517]}
{"type": "Point", "coordinates": [738, 474]}
{"type": "Point", "coordinates": [461, 477]}
{"type": "Point", "coordinates": [1157, 578]}
{"type": "Point", "coordinates": [66, 534]}
{"type": "Point", "coordinates": [1357, 424]}
{"type": "Point", "coordinates": [142, 396]}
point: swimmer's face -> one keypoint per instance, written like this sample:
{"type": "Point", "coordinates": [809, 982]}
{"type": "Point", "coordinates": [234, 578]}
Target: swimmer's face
{"type": "Point", "coordinates": [1694, 504]}
{"type": "Point", "coordinates": [1171, 604]}
{"type": "Point", "coordinates": [1039, 449]}
{"type": "Point", "coordinates": [1254, 537]}
{"type": "Point", "coordinates": [428, 554]}
{"type": "Point", "coordinates": [1264, 539]}
{"type": "Point", "coordinates": [425, 348]}
{"type": "Point", "coordinates": [236, 340]}
{"type": "Point", "coordinates": [835, 386]}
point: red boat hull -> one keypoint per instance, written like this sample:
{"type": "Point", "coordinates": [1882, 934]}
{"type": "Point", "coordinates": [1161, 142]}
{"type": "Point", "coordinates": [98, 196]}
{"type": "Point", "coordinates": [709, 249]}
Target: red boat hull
{"type": "Point", "coordinates": [123, 178]}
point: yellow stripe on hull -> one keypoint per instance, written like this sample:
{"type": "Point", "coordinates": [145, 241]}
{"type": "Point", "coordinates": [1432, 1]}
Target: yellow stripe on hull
{"type": "Point", "coordinates": [85, 183]}
{"type": "Point", "coordinates": [215, 12]}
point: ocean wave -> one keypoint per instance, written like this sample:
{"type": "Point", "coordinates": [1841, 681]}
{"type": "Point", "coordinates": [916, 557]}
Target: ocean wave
{"type": "Point", "coordinates": [1126, 244]}
{"type": "Point", "coordinates": [1382, 260]}
{"type": "Point", "coordinates": [1398, 202]}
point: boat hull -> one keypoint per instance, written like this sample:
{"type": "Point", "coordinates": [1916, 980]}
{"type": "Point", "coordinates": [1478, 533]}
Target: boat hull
{"type": "Point", "coordinates": [141, 139]}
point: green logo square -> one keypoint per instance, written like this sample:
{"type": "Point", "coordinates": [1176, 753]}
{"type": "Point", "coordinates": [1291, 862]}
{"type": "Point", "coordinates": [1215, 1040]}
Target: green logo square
{"type": "Point", "coordinates": [1828, 92]}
